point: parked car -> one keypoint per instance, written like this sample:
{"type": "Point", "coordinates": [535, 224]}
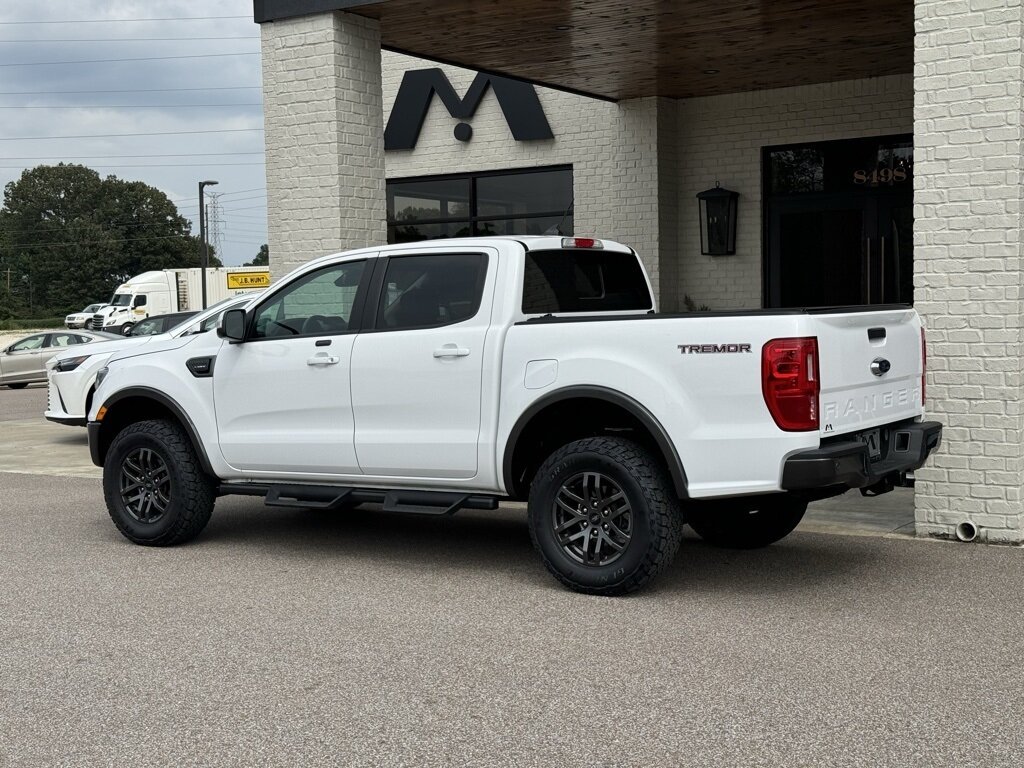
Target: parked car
{"type": "Point", "coordinates": [72, 375]}
{"type": "Point", "coordinates": [152, 326]}
{"type": "Point", "coordinates": [24, 361]}
{"type": "Point", "coordinates": [81, 319]}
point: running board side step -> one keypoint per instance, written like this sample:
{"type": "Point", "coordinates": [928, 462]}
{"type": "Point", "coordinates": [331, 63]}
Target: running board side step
{"type": "Point", "coordinates": [330, 497]}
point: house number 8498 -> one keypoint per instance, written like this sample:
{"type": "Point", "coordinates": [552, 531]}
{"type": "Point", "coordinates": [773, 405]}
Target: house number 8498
{"type": "Point", "coordinates": [883, 176]}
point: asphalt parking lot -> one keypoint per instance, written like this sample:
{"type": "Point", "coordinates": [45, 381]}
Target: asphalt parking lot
{"type": "Point", "coordinates": [285, 637]}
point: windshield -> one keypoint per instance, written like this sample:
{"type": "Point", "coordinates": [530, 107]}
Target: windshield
{"type": "Point", "coordinates": [212, 319]}
{"type": "Point", "coordinates": [147, 328]}
{"type": "Point", "coordinates": [92, 307]}
{"type": "Point", "coordinates": [121, 299]}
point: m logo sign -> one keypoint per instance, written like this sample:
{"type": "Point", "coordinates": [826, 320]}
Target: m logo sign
{"type": "Point", "coordinates": [518, 101]}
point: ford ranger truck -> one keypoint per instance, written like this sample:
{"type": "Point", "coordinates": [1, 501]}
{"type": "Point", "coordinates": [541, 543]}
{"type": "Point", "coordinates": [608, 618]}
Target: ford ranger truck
{"type": "Point", "coordinates": [454, 374]}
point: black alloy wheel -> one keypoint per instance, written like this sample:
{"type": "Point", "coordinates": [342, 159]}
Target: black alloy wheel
{"type": "Point", "coordinates": [603, 515]}
{"type": "Point", "coordinates": [145, 485]}
{"type": "Point", "coordinates": [592, 519]}
{"type": "Point", "coordinates": [156, 489]}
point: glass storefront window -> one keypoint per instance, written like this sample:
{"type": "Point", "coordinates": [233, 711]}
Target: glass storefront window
{"type": "Point", "coordinates": [797, 170]}
{"type": "Point", "coordinates": [521, 202]}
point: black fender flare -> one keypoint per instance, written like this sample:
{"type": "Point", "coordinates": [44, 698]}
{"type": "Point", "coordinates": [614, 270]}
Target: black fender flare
{"type": "Point", "coordinates": [99, 452]}
{"type": "Point", "coordinates": [627, 403]}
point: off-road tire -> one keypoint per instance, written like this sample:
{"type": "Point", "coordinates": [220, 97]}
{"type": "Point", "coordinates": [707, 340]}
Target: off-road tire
{"type": "Point", "coordinates": [19, 385]}
{"type": "Point", "coordinates": [656, 524]}
{"type": "Point", "coordinates": [192, 492]}
{"type": "Point", "coordinates": [750, 525]}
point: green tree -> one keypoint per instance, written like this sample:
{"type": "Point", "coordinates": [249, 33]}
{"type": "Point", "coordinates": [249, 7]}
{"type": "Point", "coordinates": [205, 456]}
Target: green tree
{"type": "Point", "coordinates": [71, 237]}
{"type": "Point", "coordinates": [262, 258]}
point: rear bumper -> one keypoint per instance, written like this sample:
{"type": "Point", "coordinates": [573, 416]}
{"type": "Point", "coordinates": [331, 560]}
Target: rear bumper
{"type": "Point", "coordinates": [847, 462]}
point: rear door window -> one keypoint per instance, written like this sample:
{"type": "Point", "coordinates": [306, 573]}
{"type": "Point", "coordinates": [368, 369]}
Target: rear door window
{"type": "Point", "coordinates": [431, 291]}
{"type": "Point", "coordinates": [583, 281]}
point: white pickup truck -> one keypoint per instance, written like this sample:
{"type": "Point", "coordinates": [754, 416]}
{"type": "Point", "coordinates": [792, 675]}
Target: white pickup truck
{"type": "Point", "coordinates": [448, 375]}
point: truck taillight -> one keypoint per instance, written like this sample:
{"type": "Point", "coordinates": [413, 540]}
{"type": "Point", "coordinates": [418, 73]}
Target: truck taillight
{"type": "Point", "coordinates": [924, 362]}
{"type": "Point", "coordinates": [581, 242]}
{"type": "Point", "coordinates": [789, 381]}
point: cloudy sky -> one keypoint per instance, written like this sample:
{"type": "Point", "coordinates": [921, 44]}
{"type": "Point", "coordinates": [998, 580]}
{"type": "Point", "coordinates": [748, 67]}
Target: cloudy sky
{"type": "Point", "coordinates": [135, 89]}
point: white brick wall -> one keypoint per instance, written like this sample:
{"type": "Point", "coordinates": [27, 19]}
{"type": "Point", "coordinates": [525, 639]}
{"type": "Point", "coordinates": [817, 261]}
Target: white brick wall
{"type": "Point", "coordinates": [612, 148]}
{"type": "Point", "coordinates": [967, 251]}
{"type": "Point", "coordinates": [324, 133]}
{"type": "Point", "coordinates": [720, 139]}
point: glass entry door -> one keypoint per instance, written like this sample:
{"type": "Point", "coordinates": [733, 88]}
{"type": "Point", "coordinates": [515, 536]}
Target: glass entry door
{"type": "Point", "coordinates": [839, 223]}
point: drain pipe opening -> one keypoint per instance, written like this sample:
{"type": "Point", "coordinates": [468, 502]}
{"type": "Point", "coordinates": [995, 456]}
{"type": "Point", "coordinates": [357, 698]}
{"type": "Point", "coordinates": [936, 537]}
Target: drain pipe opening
{"type": "Point", "coordinates": [967, 531]}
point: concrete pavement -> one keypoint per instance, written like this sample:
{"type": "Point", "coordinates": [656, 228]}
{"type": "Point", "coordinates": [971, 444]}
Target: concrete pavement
{"type": "Point", "coordinates": [285, 637]}
{"type": "Point", "coordinates": [298, 638]}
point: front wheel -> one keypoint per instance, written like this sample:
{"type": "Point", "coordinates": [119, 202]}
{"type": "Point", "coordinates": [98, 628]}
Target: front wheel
{"type": "Point", "coordinates": [156, 490]}
{"type": "Point", "coordinates": [603, 516]}
{"type": "Point", "coordinates": [126, 330]}
{"type": "Point", "coordinates": [746, 525]}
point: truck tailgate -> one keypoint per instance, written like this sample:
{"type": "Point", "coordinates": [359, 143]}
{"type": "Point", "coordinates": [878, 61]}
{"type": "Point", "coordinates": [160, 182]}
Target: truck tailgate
{"type": "Point", "coordinates": [870, 365]}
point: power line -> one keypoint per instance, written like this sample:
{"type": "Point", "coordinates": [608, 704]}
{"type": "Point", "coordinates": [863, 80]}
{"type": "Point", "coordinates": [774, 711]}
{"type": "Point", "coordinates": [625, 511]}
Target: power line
{"type": "Point", "coordinates": [101, 157]}
{"type": "Point", "coordinates": [151, 165]}
{"type": "Point", "coordinates": [121, 21]}
{"type": "Point", "coordinates": [125, 135]}
{"type": "Point", "coordinates": [142, 58]}
{"type": "Point", "coordinates": [124, 39]}
{"type": "Point", "coordinates": [126, 106]}
{"type": "Point", "coordinates": [108, 241]}
{"type": "Point", "coordinates": [136, 90]}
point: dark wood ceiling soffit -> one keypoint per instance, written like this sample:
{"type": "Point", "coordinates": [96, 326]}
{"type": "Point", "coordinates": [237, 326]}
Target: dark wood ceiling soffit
{"type": "Point", "coordinates": [621, 49]}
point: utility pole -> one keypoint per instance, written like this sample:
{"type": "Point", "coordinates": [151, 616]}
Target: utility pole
{"type": "Point", "coordinates": [204, 246]}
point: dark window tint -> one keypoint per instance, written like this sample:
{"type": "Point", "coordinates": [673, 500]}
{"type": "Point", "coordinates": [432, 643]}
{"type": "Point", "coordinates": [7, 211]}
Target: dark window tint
{"type": "Point", "coordinates": [429, 291]}
{"type": "Point", "coordinates": [583, 281]}
{"type": "Point", "coordinates": [524, 202]}
{"type": "Point", "coordinates": [797, 170]}
{"type": "Point", "coordinates": [140, 301]}
{"type": "Point", "coordinates": [515, 194]}
{"type": "Point", "coordinates": [441, 198]}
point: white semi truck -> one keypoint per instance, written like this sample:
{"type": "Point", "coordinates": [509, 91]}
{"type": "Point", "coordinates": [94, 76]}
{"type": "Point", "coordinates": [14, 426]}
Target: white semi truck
{"type": "Point", "coordinates": [174, 290]}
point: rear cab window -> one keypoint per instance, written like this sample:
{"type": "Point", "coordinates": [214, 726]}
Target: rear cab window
{"type": "Point", "coordinates": [583, 281]}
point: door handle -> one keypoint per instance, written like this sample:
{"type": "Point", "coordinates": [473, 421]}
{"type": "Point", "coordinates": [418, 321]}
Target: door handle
{"type": "Point", "coordinates": [323, 360]}
{"type": "Point", "coordinates": [881, 271]}
{"type": "Point", "coordinates": [867, 272]}
{"type": "Point", "coordinates": [451, 350]}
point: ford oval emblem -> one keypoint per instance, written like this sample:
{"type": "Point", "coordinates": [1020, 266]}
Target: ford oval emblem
{"type": "Point", "coordinates": [880, 366]}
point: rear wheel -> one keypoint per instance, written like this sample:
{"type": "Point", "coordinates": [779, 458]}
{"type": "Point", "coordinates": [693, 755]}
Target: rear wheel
{"type": "Point", "coordinates": [126, 329]}
{"type": "Point", "coordinates": [603, 516]}
{"type": "Point", "coordinates": [19, 385]}
{"type": "Point", "coordinates": [746, 525]}
{"type": "Point", "coordinates": [156, 491]}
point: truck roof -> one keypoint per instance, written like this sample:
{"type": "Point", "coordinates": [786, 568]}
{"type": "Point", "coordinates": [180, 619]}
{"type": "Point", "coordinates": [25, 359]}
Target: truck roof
{"type": "Point", "coordinates": [531, 242]}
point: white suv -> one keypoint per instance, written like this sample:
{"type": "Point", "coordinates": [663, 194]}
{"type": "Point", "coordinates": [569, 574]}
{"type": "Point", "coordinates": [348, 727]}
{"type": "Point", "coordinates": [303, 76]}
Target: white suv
{"type": "Point", "coordinates": [72, 374]}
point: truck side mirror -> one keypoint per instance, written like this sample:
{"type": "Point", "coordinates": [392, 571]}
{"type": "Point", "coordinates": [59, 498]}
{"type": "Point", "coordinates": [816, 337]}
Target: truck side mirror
{"type": "Point", "coordinates": [232, 325]}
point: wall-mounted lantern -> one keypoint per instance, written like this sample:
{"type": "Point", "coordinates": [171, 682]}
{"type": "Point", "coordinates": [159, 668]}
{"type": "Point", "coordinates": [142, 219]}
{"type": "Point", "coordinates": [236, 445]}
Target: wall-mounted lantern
{"type": "Point", "coordinates": [717, 221]}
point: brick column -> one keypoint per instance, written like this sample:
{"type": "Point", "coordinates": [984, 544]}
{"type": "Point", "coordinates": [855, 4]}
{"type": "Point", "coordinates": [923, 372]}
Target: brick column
{"type": "Point", "coordinates": [968, 142]}
{"type": "Point", "coordinates": [645, 187]}
{"type": "Point", "coordinates": [324, 121]}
